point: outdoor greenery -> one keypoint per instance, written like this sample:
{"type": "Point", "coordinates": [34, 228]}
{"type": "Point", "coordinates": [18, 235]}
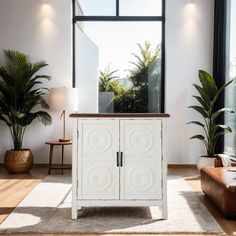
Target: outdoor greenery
{"type": "Point", "coordinates": [21, 94]}
{"type": "Point", "coordinates": [134, 98]}
{"type": "Point", "coordinates": [208, 95]}
{"type": "Point", "coordinates": [107, 82]}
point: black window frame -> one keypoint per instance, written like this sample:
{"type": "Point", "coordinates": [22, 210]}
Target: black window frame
{"type": "Point", "coordinates": [220, 57]}
{"type": "Point", "coordinates": [119, 18]}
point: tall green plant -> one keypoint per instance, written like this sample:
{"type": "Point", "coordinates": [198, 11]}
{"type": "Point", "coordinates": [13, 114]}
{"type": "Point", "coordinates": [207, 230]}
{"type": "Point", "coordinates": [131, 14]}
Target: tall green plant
{"type": "Point", "coordinates": [21, 94]}
{"type": "Point", "coordinates": [208, 95]}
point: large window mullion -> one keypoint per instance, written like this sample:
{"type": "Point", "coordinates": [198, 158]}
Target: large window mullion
{"type": "Point", "coordinates": [119, 18]}
{"type": "Point", "coordinates": [219, 57]}
{"type": "Point", "coordinates": [117, 8]}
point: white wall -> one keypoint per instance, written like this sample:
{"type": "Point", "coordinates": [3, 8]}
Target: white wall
{"type": "Point", "coordinates": [44, 32]}
{"type": "Point", "coordinates": [189, 43]}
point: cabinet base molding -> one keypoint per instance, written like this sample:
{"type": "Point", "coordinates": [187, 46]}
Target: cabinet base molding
{"type": "Point", "coordinates": [118, 203]}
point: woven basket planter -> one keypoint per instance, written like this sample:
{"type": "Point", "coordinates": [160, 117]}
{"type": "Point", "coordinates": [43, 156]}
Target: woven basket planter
{"type": "Point", "coordinates": [18, 162]}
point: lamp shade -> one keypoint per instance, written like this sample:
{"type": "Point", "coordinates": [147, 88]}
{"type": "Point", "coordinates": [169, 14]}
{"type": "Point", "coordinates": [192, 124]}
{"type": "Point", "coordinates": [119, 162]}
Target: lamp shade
{"type": "Point", "coordinates": [64, 99]}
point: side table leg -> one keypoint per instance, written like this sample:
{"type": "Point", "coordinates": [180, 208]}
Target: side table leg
{"type": "Point", "coordinates": [50, 159]}
{"type": "Point", "coordinates": [62, 158]}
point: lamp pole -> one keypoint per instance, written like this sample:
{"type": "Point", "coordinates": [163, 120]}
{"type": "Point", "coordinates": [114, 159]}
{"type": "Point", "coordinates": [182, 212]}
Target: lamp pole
{"type": "Point", "coordinates": [63, 116]}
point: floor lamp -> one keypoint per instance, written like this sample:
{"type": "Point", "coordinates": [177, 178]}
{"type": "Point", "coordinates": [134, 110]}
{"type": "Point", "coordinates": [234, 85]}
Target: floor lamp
{"type": "Point", "coordinates": [64, 100]}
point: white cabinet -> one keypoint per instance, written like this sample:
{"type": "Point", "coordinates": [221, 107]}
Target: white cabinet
{"type": "Point", "coordinates": [119, 161]}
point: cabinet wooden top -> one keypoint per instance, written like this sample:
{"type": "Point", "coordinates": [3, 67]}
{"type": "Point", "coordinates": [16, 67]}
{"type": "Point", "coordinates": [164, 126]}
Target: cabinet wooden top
{"type": "Point", "coordinates": [120, 115]}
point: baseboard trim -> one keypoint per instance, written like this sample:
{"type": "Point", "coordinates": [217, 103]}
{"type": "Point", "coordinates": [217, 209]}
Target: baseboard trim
{"type": "Point", "coordinates": [182, 166]}
{"type": "Point", "coordinates": [169, 165]}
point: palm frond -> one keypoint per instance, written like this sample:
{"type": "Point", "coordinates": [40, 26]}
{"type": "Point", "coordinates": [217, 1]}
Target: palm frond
{"type": "Point", "coordinates": [44, 117]}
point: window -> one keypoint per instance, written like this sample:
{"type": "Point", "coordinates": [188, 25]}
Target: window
{"type": "Point", "coordinates": [140, 7]}
{"type": "Point", "coordinates": [98, 7]}
{"type": "Point", "coordinates": [230, 96]}
{"type": "Point", "coordinates": [126, 39]}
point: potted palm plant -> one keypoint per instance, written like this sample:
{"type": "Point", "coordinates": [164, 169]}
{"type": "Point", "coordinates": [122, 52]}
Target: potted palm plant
{"type": "Point", "coordinates": [21, 100]}
{"type": "Point", "coordinates": [208, 95]}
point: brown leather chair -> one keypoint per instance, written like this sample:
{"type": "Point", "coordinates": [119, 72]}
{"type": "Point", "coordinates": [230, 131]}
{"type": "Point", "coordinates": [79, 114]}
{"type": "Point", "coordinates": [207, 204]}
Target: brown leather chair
{"type": "Point", "coordinates": [219, 185]}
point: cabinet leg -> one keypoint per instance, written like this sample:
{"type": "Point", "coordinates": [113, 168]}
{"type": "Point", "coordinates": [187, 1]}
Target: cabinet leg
{"type": "Point", "coordinates": [164, 212]}
{"type": "Point", "coordinates": [74, 214]}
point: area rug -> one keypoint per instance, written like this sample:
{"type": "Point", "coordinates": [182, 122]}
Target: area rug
{"type": "Point", "coordinates": [46, 209]}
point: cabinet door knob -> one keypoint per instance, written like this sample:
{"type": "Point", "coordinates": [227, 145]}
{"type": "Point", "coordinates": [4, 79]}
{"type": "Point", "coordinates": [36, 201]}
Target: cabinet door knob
{"type": "Point", "coordinates": [121, 159]}
{"type": "Point", "coordinates": [117, 159]}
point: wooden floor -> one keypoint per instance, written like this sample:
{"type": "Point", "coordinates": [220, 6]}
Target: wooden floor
{"type": "Point", "coordinates": [13, 188]}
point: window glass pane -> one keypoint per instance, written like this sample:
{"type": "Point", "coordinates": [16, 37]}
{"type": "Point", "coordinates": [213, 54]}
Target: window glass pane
{"type": "Point", "coordinates": [78, 9]}
{"type": "Point", "coordinates": [140, 7]}
{"type": "Point", "coordinates": [98, 7]}
{"type": "Point", "coordinates": [129, 65]}
{"type": "Point", "coordinates": [230, 139]}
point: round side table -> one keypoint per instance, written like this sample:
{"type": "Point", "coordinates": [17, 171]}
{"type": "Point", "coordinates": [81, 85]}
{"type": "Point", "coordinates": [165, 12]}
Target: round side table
{"type": "Point", "coordinates": [61, 166]}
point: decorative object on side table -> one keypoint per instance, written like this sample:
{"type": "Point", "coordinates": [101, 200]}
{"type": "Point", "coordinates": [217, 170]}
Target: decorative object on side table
{"type": "Point", "coordinates": [19, 99]}
{"type": "Point", "coordinates": [208, 97]}
{"type": "Point", "coordinates": [64, 99]}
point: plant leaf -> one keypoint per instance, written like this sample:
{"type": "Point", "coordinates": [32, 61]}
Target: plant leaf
{"type": "Point", "coordinates": [44, 117]}
{"type": "Point", "coordinates": [5, 120]}
{"type": "Point", "coordinates": [200, 100]}
{"type": "Point", "coordinates": [201, 110]}
{"type": "Point", "coordinates": [221, 90]}
{"type": "Point", "coordinates": [204, 95]}
{"type": "Point", "coordinates": [223, 127]}
{"type": "Point", "coordinates": [200, 137]}
{"type": "Point", "coordinates": [208, 83]}
{"type": "Point", "coordinates": [217, 136]}
{"type": "Point", "coordinates": [216, 114]}
{"type": "Point", "coordinates": [196, 123]}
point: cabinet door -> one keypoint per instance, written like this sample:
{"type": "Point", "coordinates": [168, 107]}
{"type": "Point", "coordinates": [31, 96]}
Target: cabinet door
{"type": "Point", "coordinates": [140, 142]}
{"type": "Point", "coordinates": [98, 171]}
